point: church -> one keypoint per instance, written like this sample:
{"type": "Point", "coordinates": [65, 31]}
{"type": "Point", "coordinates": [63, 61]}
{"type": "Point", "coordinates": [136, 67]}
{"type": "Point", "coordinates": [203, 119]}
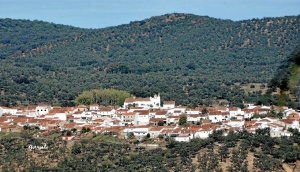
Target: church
{"type": "Point", "coordinates": [146, 103]}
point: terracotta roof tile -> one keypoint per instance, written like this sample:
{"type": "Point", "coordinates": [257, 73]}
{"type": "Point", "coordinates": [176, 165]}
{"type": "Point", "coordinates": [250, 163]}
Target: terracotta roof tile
{"type": "Point", "coordinates": [129, 114]}
{"type": "Point", "coordinates": [169, 102]}
{"type": "Point", "coordinates": [131, 100]}
{"type": "Point", "coordinates": [105, 109]}
{"type": "Point", "coordinates": [161, 112]}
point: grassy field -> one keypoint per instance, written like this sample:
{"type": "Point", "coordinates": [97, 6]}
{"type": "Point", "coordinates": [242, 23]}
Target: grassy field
{"type": "Point", "coordinates": [54, 135]}
{"type": "Point", "coordinates": [254, 87]}
{"type": "Point", "coordinates": [9, 134]}
{"type": "Point", "coordinates": [107, 138]}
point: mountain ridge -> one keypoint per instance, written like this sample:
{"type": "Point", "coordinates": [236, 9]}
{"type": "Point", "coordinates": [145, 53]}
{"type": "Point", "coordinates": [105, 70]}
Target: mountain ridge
{"type": "Point", "coordinates": [185, 54]}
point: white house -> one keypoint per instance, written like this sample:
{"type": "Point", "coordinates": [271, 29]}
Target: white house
{"type": "Point", "coordinates": [59, 116]}
{"type": "Point", "coordinates": [42, 109]}
{"type": "Point", "coordinates": [272, 119]}
{"type": "Point", "coordinates": [94, 107]}
{"type": "Point", "coordinates": [193, 118]}
{"type": "Point", "coordinates": [280, 133]}
{"type": "Point", "coordinates": [141, 119]}
{"type": "Point", "coordinates": [236, 123]}
{"type": "Point", "coordinates": [287, 112]}
{"type": "Point", "coordinates": [155, 131]}
{"type": "Point", "coordinates": [193, 111]}
{"type": "Point", "coordinates": [150, 102]}
{"type": "Point", "coordinates": [78, 114]}
{"type": "Point", "coordinates": [203, 133]}
{"type": "Point", "coordinates": [138, 131]}
{"type": "Point", "coordinates": [118, 113]}
{"type": "Point", "coordinates": [234, 111]}
{"type": "Point", "coordinates": [183, 138]}
{"type": "Point", "coordinates": [12, 111]}
{"type": "Point", "coordinates": [172, 120]}
{"type": "Point", "coordinates": [128, 118]}
{"type": "Point", "coordinates": [106, 111]}
{"type": "Point", "coordinates": [93, 115]}
{"type": "Point", "coordinates": [88, 115]}
{"type": "Point", "coordinates": [294, 125]}
{"type": "Point", "coordinates": [30, 113]}
{"type": "Point", "coordinates": [110, 123]}
{"type": "Point", "coordinates": [248, 113]}
{"type": "Point", "coordinates": [169, 104]}
{"type": "Point", "coordinates": [277, 130]}
{"type": "Point", "coordinates": [276, 127]}
{"type": "Point", "coordinates": [180, 109]}
{"type": "Point", "coordinates": [240, 117]}
{"type": "Point", "coordinates": [263, 122]}
{"type": "Point", "coordinates": [217, 116]}
{"type": "Point", "coordinates": [1, 111]}
{"type": "Point", "coordinates": [262, 110]}
{"type": "Point", "coordinates": [80, 108]}
{"type": "Point", "coordinates": [161, 114]}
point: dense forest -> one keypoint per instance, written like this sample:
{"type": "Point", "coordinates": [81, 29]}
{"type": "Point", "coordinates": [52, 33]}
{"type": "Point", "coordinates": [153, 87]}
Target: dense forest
{"type": "Point", "coordinates": [187, 58]}
{"type": "Point", "coordinates": [287, 80]}
{"type": "Point", "coordinates": [241, 151]}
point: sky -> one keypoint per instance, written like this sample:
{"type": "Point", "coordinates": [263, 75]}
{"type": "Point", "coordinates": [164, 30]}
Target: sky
{"type": "Point", "coordinates": [105, 13]}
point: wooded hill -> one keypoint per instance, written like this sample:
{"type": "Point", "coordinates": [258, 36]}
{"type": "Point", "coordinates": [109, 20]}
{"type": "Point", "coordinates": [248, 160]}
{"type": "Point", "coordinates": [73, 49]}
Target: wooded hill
{"type": "Point", "coordinates": [240, 151]}
{"type": "Point", "coordinates": [287, 79]}
{"type": "Point", "coordinates": [187, 58]}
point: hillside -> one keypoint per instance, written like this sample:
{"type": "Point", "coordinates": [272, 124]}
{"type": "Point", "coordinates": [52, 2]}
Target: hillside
{"type": "Point", "coordinates": [287, 80]}
{"type": "Point", "coordinates": [240, 151]}
{"type": "Point", "coordinates": [188, 58]}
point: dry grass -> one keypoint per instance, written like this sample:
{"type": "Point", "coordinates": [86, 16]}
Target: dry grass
{"type": "Point", "coordinates": [250, 159]}
{"type": "Point", "coordinates": [256, 88]}
{"type": "Point", "coordinates": [297, 166]}
{"type": "Point", "coordinates": [225, 164]}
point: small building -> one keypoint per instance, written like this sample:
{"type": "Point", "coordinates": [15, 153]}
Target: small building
{"type": "Point", "coordinates": [127, 118]}
{"type": "Point", "coordinates": [42, 109]}
{"type": "Point", "coordinates": [182, 138]}
{"type": "Point", "coordinates": [148, 103]}
{"type": "Point", "coordinates": [169, 105]}
{"type": "Point", "coordinates": [94, 107]}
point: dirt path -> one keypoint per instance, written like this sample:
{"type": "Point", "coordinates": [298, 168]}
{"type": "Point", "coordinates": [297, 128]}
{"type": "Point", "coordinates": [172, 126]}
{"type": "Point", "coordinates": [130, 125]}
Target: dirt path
{"type": "Point", "coordinates": [286, 167]}
{"type": "Point", "coordinates": [297, 166]}
{"type": "Point", "coordinates": [250, 159]}
{"type": "Point", "coordinates": [195, 161]}
{"type": "Point", "coordinates": [70, 143]}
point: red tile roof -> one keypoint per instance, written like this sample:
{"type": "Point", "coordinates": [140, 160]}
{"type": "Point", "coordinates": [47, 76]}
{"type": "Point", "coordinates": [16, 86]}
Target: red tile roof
{"type": "Point", "coordinates": [131, 100]}
{"type": "Point", "coordinates": [128, 114]}
{"type": "Point", "coordinates": [169, 102]}
{"type": "Point", "coordinates": [161, 112]}
{"type": "Point", "coordinates": [142, 112]}
{"type": "Point", "coordinates": [157, 119]}
{"type": "Point", "coordinates": [106, 109]}
{"type": "Point", "coordinates": [294, 116]}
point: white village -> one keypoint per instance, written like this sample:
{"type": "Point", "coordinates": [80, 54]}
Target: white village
{"type": "Point", "coordinates": [146, 117]}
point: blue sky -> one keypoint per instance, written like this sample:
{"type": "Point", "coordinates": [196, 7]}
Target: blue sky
{"type": "Point", "coordinates": [104, 13]}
